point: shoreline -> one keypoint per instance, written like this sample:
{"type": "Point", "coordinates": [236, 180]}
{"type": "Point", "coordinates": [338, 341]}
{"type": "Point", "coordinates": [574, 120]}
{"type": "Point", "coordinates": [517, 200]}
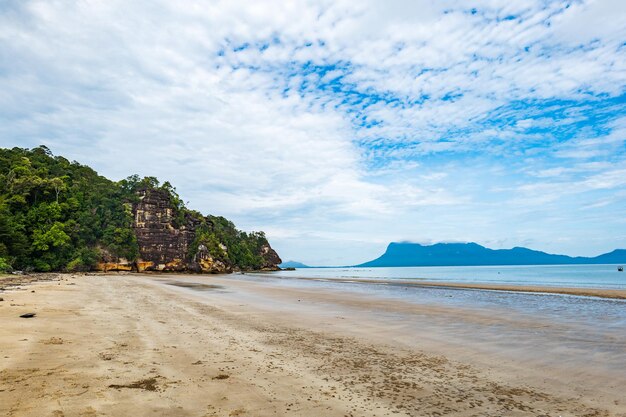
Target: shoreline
{"type": "Point", "coordinates": [9, 280]}
{"type": "Point", "coordinates": [541, 289]}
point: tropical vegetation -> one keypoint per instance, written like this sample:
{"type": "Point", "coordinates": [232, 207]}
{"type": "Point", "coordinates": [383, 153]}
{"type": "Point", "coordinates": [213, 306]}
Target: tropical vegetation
{"type": "Point", "coordinates": [59, 215]}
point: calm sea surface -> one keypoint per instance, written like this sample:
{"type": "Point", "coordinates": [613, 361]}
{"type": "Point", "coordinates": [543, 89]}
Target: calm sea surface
{"type": "Point", "coordinates": [582, 276]}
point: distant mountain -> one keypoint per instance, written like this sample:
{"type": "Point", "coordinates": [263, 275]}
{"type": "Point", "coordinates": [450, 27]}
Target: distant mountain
{"type": "Point", "coordinates": [468, 254]}
{"type": "Point", "coordinates": [618, 256]}
{"type": "Point", "coordinates": [293, 264]}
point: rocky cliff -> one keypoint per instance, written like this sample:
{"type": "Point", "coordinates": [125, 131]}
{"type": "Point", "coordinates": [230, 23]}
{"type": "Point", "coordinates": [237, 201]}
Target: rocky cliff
{"type": "Point", "coordinates": [168, 239]}
{"type": "Point", "coordinates": [162, 245]}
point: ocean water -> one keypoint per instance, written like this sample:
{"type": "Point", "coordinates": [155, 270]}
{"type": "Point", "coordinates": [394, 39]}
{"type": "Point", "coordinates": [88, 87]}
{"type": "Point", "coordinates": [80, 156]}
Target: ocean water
{"type": "Point", "coordinates": [574, 276]}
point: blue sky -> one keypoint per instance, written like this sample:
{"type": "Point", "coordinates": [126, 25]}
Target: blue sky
{"type": "Point", "coordinates": [339, 126]}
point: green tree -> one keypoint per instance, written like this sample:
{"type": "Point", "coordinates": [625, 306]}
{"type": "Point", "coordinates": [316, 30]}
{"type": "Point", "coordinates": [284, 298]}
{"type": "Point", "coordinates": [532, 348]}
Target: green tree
{"type": "Point", "coordinates": [53, 237]}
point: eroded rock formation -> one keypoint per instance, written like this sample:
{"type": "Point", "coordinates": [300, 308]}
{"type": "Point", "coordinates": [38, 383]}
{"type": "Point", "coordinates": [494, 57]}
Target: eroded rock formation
{"type": "Point", "coordinates": [271, 258]}
{"type": "Point", "coordinates": [165, 239]}
{"type": "Point", "coordinates": [163, 246]}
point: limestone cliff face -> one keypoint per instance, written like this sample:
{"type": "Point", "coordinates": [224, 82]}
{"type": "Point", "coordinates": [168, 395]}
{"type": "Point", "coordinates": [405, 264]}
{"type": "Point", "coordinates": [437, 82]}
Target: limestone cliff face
{"type": "Point", "coordinates": [165, 239]}
{"type": "Point", "coordinates": [163, 246]}
{"type": "Point", "coordinates": [271, 258]}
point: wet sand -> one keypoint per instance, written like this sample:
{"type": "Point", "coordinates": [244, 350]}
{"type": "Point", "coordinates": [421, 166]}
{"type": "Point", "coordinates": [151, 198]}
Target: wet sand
{"type": "Point", "coordinates": [587, 292]}
{"type": "Point", "coordinates": [159, 345]}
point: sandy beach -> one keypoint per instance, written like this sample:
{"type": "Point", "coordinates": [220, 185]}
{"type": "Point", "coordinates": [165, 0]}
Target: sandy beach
{"type": "Point", "coordinates": [171, 345]}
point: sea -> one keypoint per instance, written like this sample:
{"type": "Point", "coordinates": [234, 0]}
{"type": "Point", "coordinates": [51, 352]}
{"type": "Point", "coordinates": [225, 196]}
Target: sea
{"type": "Point", "coordinates": [569, 276]}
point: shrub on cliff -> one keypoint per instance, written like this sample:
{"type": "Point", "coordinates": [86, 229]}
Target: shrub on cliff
{"type": "Point", "coordinates": [229, 245]}
{"type": "Point", "coordinates": [244, 250]}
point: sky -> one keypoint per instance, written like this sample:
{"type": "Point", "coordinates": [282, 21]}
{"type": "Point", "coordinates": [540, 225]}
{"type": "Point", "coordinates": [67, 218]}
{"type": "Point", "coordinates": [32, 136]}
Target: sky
{"type": "Point", "coordinates": [340, 126]}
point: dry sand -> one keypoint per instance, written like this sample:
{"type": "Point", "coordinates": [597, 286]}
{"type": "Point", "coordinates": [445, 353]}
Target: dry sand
{"type": "Point", "coordinates": [133, 345]}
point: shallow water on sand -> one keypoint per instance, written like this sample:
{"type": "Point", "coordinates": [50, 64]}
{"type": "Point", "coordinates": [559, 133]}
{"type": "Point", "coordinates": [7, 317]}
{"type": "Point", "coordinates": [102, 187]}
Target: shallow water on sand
{"type": "Point", "coordinates": [575, 276]}
{"type": "Point", "coordinates": [576, 331]}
